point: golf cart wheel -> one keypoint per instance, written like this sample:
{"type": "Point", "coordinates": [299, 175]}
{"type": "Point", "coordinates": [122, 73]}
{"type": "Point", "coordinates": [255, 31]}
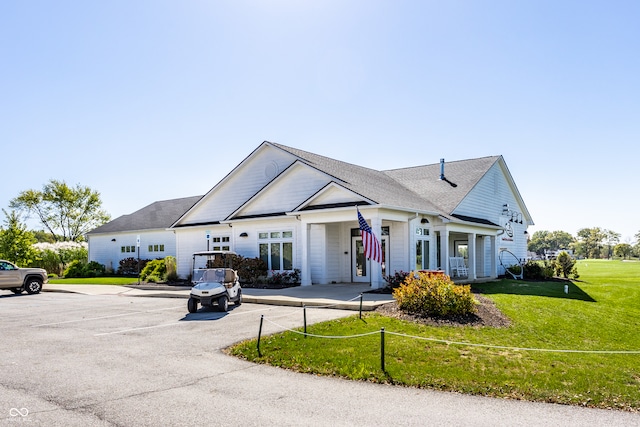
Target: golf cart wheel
{"type": "Point", "coordinates": [223, 303]}
{"type": "Point", "coordinates": [16, 291]}
{"type": "Point", "coordinates": [239, 300]}
{"type": "Point", "coordinates": [192, 305]}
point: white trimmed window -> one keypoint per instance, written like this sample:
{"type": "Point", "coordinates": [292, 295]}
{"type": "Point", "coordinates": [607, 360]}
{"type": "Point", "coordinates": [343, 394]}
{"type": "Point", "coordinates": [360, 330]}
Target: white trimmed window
{"type": "Point", "coordinates": [220, 243]}
{"type": "Point", "coordinates": [423, 240]}
{"type": "Point", "coordinates": [276, 249]}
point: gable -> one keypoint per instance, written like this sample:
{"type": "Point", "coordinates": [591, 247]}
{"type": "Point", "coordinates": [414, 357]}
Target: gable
{"type": "Point", "coordinates": [461, 177]}
{"type": "Point", "coordinates": [488, 197]}
{"type": "Point", "coordinates": [285, 192]}
{"type": "Point", "coordinates": [333, 195]}
{"type": "Point", "coordinates": [239, 186]}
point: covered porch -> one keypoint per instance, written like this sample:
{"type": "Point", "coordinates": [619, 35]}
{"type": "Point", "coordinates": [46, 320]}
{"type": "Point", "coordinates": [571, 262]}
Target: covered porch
{"type": "Point", "coordinates": [331, 247]}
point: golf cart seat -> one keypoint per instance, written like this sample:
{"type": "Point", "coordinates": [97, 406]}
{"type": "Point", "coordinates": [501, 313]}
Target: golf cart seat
{"type": "Point", "coordinates": [226, 276]}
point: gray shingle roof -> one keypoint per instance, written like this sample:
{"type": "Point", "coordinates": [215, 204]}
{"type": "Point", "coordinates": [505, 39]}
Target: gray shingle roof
{"type": "Point", "coordinates": [425, 180]}
{"type": "Point", "coordinates": [414, 188]}
{"type": "Point", "coordinates": [158, 215]}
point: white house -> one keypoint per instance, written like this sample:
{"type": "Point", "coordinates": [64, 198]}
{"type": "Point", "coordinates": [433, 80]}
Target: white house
{"type": "Point", "coordinates": [297, 210]}
{"type": "Point", "coordinates": [146, 231]}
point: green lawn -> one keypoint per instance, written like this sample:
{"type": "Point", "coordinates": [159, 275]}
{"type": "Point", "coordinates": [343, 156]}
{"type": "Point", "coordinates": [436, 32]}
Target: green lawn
{"type": "Point", "coordinates": [567, 335]}
{"type": "Point", "coordinates": [96, 281]}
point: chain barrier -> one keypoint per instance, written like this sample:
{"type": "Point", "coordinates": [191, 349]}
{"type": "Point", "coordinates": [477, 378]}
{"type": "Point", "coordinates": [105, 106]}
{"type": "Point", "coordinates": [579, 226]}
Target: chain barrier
{"type": "Point", "coordinates": [439, 340]}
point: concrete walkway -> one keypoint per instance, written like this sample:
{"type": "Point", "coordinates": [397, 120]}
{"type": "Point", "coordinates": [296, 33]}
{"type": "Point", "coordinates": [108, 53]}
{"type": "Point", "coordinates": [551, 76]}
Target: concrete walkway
{"type": "Point", "coordinates": [339, 296]}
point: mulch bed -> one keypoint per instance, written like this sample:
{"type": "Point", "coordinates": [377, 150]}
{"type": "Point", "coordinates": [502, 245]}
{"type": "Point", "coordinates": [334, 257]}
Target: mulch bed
{"type": "Point", "coordinates": [486, 315]}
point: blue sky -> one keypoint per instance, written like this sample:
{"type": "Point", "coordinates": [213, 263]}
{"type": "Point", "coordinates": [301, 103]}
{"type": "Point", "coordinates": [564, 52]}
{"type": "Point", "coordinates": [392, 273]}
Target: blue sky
{"type": "Point", "coordinates": [154, 100]}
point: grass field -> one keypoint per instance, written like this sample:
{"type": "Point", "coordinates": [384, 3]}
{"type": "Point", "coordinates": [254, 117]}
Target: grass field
{"type": "Point", "coordinates": [96, 281]}
{"type": "Point", "coordinates": [580, 348]}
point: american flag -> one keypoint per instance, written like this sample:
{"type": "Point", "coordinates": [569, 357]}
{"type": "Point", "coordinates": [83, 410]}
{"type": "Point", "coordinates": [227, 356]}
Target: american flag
{"type": "Point", "coordinates": [372, 248]}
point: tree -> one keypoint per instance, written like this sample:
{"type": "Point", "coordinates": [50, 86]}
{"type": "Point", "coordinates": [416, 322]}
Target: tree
{"type": "Point", "coordinates": [622, 250]}
{"type": "Point", "coordinates": [566, 265]}
{"type": "Point", "coordinates": [611, 239]}
{"type": "Point", "coordinates": [67, 213]}
{"type": "Point", "coordinates": [542, 241]}
{"type": "Point", "coordinates": [16, 241]}
{"type": "Point", "coordinates": [590, 241]}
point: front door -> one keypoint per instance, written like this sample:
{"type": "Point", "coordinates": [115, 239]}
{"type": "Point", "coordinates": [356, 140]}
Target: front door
{"type": "Point", "coordinates": [361, 265]}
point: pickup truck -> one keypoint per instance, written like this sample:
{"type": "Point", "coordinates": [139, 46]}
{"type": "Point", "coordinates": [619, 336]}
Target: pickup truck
{"type": "Point", "coordinates": [21, 279]}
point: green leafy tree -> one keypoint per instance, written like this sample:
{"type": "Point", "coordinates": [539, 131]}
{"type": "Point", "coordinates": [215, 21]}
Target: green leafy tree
{"type": "Point", "coordinates": [543, 240]}
{"type": "Point", "coordinates": [16, 241]}
{"type": "Point", "coordinates": [622, 250]}
{"type": "Point", "coordinates": [611, 238]}
{"type": "Point", "coordinates": [591, 241]}
{"type": "Point", "coordinates": [67, 213]}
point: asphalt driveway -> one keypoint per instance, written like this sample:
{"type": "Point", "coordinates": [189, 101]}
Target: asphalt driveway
{"type": "Point", "coordinates": [114, 360]}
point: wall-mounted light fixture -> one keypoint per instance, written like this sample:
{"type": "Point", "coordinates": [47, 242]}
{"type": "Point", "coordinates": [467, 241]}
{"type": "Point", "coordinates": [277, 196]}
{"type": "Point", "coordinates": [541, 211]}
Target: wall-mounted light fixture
{"type": "Point", "coordinates": [514, 215]}
{"type": "Point", "coordinates": [424, 221]}
{"type": "Point", "coordinates": [113, 240]}
{"type": "Point", "coordinates": [244, 234]}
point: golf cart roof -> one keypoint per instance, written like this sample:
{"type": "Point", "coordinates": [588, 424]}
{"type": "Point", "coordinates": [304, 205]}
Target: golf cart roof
{"type": "Point", "coordinates": [206, 253]}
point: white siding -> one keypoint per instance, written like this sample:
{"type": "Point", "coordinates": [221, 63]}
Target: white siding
{"type": "Point", "coordinates": [239, 186]}
{"type": "Point", "coordinates": [288, 192]}
{"type": "Point", "coordinates": [108, 252]}
{"type": "Point", "coordinates": [398, 247]}
{"type": "Point", "coordinates": [318, 248]}
{"type": "Point", "coordinates": [193, 239]}
{"type": "Point", "coordinates": [486, 201]}
{"type": "Point", "coordinates": [335, 255]}
{"type": "Point", "coordinates": [335, 194]}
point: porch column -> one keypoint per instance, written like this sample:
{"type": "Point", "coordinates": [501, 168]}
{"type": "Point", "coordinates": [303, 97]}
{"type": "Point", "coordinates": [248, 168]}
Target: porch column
{"type": "Point", "coordinates": [494, 257]}
{"type": "Point", "coordinates": [305, 271]}
{"type": "Point", "coordinates": [444, 251]}
{"type": "Point", "coordinates": [471, 239]}
{"type": "Point", "coordinates": [376, 268]}
{"type": "Point", "coordinates": [481, 253]}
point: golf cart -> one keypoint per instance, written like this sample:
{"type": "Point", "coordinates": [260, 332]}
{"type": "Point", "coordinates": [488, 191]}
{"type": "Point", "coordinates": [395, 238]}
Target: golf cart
{"type": "Point", "coordinates": [214, 281]}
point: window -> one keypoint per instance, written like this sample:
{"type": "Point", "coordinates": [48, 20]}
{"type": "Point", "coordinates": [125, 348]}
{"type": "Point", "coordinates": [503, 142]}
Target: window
{"type": "Point", "coordinates": [156, 248]}
{"type": "Point", "coordinates": [221, 243]}
{"type": "Point", "coordinates": [423, 241]}
{"type": "Point", "coordinates": [422, 231]}
{"type": "Point", "coordinates": [355, 232]}
{"type": "Point", "coordinates": [127, 249]}
{"type": "Point", "coordinates": [276, 249]}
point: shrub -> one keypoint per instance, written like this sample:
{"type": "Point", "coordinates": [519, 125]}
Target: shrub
{"type": "Point", "coordinates": [129, 266]}
{"type": "Point", "coordinates": [284, 278]}
{"type": "Point", "coordinates": [74, 269]}
{"type": "Point", "coordinates": [155, 269]}
{"type": "Point", "coordinates": [539, 270]}
{"type": "Point", "coordinates": [172, 272]}
{"type": "Point", "coordinates": [397, 279]}
{"type": "Point", "coordinates": [566, 266]}
{"type": "Point", "coordinates": [435, 296]}
{"type": "Point", "coordinates": [93, 269]}
{"type": "Point", "coordinates": [54, 257]}
{"type": "Point", "coordinates": [250, 269]}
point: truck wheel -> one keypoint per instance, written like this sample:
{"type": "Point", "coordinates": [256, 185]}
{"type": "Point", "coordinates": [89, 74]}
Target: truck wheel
{"type": "Point", "coordinates": [223, 303]}
{"type": "Point", "coordinates": [33, 286]}
{"type": "Point", "coordinates": [239, 300]}
{"type": "Point", "coordinates": [192, 305]}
